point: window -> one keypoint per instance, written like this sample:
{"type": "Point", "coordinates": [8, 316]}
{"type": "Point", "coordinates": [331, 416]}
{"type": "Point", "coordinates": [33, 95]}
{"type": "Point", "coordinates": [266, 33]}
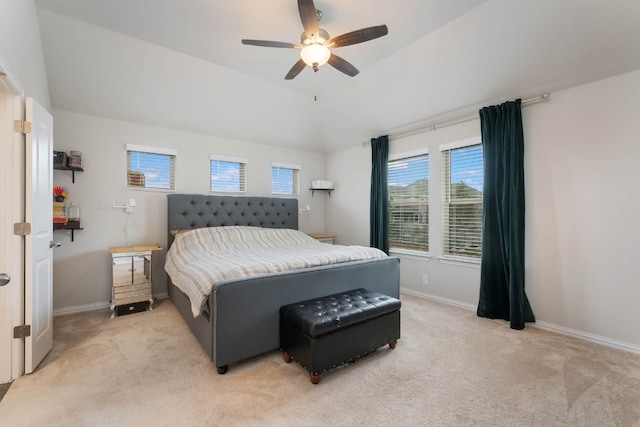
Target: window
{"type": "Point", "coordinates": [285, 179]}
{"type": "Point", "coordinates": [408, 180]}
{"type": "Point", "coordinates": [228, 174]}
{"type": "Point", "coordinates": [463, 178]}
{"type": "Point", "coordinates": [151, 167]}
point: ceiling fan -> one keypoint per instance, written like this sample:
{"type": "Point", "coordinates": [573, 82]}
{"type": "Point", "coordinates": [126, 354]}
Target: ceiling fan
{"type": "Point", "coordinates": [315, 43]}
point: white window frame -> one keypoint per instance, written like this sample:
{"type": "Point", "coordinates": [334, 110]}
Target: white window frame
{"type": "Point", "coordinates": [171, 153]}
{"type": "Point", "coordinates": [296, 178]}
{"type": "Point", "coordinates": [414, 253]}
{"type": "Point", "coordinates": [447, 258]}
{"type": "Point", "coordinates": [242, 162]}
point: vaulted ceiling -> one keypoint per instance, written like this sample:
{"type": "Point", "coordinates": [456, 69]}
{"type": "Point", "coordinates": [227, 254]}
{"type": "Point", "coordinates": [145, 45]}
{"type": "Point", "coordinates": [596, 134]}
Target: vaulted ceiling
{"type": "Point", "coordinates": [180, 64]}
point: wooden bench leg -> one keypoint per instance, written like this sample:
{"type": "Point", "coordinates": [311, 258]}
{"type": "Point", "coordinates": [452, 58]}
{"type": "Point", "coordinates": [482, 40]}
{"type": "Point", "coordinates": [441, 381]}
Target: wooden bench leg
{"type": "Point", "coordinates": [287, 357]}
{"type": "Point", "coordinates": [393, 344]}
{"type": "Point", "coordinates": [315, 378]}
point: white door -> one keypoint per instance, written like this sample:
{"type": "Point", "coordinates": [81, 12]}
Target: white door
{"type": "Point", "coordinates": [39, 244]}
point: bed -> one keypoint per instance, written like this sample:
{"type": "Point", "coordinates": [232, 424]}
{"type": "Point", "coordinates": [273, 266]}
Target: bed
{"type": "Point", "coordinates": [239, 318]}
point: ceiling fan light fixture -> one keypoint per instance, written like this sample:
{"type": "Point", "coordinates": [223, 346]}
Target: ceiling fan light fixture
{"type": "Point", "coordinates": [315, 55]}
{"type": "Point", "coordinates": [315, 43]}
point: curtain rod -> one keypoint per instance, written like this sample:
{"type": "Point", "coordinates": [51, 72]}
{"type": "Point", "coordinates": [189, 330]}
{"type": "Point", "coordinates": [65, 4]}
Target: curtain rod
{"type": "Point", "coordinates": [451, 122]}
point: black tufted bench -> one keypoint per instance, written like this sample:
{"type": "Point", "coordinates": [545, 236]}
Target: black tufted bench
{"type": "Point", "coordinates": [326, 332]}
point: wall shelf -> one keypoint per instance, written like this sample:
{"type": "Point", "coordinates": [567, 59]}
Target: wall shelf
{"type": "Point", "coordinates": [71, 225]}
{"type": "Point", "coordinates": [73, 170]}
{"type": "Point", "coordinates": [328, 190]}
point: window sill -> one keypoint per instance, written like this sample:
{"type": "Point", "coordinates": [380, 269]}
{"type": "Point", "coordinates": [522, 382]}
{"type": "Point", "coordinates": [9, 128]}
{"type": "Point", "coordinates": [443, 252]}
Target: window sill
{"type": "Point", "coordinates": [407, 253]}
{"type": "Point", "coordinates": [152, 190]}
{"type": "Point", "coordinates": [460, 261]}
{"type": "Point", "coordinates": [227, 192]}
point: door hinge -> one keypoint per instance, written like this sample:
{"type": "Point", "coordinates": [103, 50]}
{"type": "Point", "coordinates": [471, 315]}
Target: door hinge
{"type": "Point", "coordinates": [22, 126]}
{"type": "Point", "coordinates": [22, 331]}
{"type": "Point", "coordinates": [22, 228]}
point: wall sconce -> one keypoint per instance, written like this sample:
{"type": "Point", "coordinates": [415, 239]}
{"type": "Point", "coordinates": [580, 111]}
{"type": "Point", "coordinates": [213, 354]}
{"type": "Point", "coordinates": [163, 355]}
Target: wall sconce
{"type": "Point", "coordinates": [306, 209]}
{"type": "Point", "coordinates": [128, 206]}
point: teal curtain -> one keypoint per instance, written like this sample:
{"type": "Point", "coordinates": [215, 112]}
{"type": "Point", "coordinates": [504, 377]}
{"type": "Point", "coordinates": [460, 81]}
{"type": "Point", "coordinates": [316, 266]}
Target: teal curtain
{"type": "Point", "coordinates": [502, 294]}
{"type": "Point", "coordinates": [379, 212]}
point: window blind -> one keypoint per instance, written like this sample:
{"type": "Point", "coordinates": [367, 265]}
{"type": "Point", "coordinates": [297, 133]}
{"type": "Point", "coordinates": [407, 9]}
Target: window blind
{"type": "Point", "coordinates": [150, 167]}
{"type": "Point", "coordinates": [228, 174]}
{"type": "Point", "coordinates": [463, 178]}
{"type": "Point", "coordinates": [408, 180]}
{"type": "Point", "coordinates": [285, 179]}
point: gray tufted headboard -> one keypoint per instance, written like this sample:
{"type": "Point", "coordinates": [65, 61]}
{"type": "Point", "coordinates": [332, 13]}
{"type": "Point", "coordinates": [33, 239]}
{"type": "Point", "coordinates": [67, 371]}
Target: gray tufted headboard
{"type": "Point", "coordinates": [197, 210]}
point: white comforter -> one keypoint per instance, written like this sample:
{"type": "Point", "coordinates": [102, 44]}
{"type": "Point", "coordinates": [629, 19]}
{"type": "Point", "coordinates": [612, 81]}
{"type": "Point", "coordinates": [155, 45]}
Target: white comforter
{"type": "Point", "coordinates": [202, 257]}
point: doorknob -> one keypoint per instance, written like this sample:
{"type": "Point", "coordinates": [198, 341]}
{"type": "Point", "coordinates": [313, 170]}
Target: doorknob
{"type": "Point", "coordinates": [52, 244]}
{"type": "Point", "coordinates": [4, 279]}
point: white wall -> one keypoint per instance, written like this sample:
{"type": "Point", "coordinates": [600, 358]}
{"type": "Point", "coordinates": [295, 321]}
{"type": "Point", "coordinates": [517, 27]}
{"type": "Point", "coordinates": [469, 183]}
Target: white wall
{"type": "Point", "coordinates": [581, 159]}
{"type": "Point", "coordinates": [82, 275]}
{"type": "Point", "coordinates": [21, 48]}
{"type": "Point", "coordinates": [582, 174]}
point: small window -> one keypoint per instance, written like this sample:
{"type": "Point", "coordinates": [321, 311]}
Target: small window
{"type": "Point", "coordinates": [463, 179]}
{"type": "Point", "coordinates": [285, 179]}
{"type": "Point", "coordinates": [408, 180]}
{"type": "Point", "coordinates": [228, 174]}
{"type": "Point", "coordinates": [151, 167]}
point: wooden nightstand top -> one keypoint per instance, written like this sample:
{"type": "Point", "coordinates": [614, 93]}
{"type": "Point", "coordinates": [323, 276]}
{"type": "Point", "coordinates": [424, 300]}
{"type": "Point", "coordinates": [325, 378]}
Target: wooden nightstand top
{"type": "Point", "coordinates": [322, 236]}
{"type": "Point", "coordinates": [134, 248]}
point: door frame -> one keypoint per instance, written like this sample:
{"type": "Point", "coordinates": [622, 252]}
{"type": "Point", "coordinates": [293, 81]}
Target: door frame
{"type": "Point", "coordinates": [12, 164]}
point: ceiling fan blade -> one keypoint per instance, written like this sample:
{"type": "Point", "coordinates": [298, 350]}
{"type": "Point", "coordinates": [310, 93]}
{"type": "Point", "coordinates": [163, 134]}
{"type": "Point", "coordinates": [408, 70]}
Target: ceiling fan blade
{"type": "Point", "coordinates": [309, 18]}
{"type": "Point", "coordinates": [341, 65]}
{"type": "Point", "coordinates": [268, 43]}
{"type": "Point", "coordinates": [295, 70]}
{"type": "Point", "coordinates": [358, 36]}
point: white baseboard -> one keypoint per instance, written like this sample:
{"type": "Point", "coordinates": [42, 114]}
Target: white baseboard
{"type": "Point", "coordinates": [93, 307]}
{"type": "Point", "coordinates": [436, 298]}
{"type": "Point", "coordinates": [80, 308]}
{"type": "Point", "coordinates": [585, 336]}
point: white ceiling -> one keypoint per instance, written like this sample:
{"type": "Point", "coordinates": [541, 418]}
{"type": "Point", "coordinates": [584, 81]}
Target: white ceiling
{"type": "Point", "coordinates": [180, 64]}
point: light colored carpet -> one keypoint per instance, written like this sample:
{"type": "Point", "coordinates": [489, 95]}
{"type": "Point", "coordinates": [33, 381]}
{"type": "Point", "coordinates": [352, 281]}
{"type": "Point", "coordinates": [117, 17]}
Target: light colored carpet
{"type": "Point", "coordinates": [450, 368]}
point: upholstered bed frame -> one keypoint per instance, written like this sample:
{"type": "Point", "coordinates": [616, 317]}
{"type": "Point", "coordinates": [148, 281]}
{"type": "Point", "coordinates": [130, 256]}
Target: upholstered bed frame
{"type": "Point", "coordinates": [242, 316]}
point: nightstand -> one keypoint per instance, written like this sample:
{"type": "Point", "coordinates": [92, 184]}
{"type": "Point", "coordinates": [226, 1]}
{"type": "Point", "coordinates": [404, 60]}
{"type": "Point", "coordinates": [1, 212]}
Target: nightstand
{"type": "Point", "coordinates": [324, 238]}
{"type": "Point", "coordinates": [131, 266]}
